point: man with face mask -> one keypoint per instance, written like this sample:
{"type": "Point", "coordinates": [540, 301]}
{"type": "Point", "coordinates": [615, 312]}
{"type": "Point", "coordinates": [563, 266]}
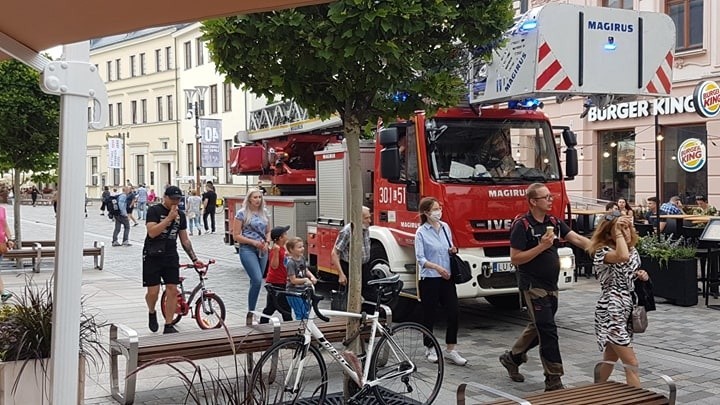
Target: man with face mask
{"type": "Point", "coordinates": [340, 255]}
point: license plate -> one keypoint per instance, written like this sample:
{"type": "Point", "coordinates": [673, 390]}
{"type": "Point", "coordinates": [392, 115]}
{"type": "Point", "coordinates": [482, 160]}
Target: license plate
{"type": "Point", "coordinates": [502, 267]}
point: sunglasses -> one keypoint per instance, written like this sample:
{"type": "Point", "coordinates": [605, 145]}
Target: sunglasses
{"type": "Point", "coordinates": [612, 215]}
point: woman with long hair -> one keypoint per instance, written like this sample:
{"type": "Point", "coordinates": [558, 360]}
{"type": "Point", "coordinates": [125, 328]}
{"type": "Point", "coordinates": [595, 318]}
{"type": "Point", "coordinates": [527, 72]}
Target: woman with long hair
{"type": "Point", "coordinates": [433, 246]}
{"type": "Point", "coordinates": [617, 266]}
{"type": "Point", "coordinates": [624, 207]}
{"type": "Point", "coordinates": [9, 242]}
{"type": "Point", "coordinates": [252, 231]}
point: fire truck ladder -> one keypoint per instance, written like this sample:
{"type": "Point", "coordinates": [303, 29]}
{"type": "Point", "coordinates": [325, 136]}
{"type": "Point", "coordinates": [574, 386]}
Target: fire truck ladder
{"type": "Point", "coordinates": [277, 114]}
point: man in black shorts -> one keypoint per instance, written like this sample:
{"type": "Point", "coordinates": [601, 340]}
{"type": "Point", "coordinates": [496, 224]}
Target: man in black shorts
{"type": "Point", "coordinates": [165, 222]}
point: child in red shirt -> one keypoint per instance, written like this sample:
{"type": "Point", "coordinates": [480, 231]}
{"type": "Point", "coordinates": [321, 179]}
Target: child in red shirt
{"type": "Point", "coordinates": [277, 275]}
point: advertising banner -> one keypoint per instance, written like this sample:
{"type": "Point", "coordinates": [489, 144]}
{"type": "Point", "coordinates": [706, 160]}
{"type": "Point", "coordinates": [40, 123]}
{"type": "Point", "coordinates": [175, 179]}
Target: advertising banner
{"type": "Point", "coordinates": [115, 153]}
{"type": "Point", "coordinates": [211, 143]}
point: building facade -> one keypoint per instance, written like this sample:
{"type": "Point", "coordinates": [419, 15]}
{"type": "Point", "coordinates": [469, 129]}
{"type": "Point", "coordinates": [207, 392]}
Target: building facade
{"type": "Point", "coordinates": [618, 145]}
{"type": "Point", "coordinates": [151, 134]}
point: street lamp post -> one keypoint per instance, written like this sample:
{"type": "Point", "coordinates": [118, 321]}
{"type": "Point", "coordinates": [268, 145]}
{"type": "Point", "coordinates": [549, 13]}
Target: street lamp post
{"type": "Point", "coordinates": [122, 136]}
{"type": "Point", "coordinates": [195, 112]}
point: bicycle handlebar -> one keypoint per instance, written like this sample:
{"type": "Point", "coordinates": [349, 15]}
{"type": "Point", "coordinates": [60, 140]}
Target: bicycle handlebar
{"type": "Point", "coordinates": [308, 295]}
{"type": "Point", "coordinates": [198, 269]}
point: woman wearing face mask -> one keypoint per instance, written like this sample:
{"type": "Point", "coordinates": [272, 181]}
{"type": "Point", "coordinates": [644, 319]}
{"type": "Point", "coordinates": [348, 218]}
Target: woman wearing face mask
{"type": "Point", "coordinates": [433, 245]}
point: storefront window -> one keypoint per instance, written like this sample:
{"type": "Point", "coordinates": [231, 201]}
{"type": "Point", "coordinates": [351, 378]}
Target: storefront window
{"type": "Point", "coordinates": [617, 165]}
{"type": "Point", "coordinates": [677, 181]}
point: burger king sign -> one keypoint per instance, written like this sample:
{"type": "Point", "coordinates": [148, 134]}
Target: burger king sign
{"type": "Point", "coordinates": [691, 155]}
{"type": "Point", "coordinates": [707, 99]}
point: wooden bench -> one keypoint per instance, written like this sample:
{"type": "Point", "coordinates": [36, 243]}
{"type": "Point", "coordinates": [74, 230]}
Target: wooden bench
{"type": "Point", "coordinates": [201, 344]}
{"type": "Point", "coordinates": [598, 393]}
{"type": "Point", "coordinates": [38, 251]}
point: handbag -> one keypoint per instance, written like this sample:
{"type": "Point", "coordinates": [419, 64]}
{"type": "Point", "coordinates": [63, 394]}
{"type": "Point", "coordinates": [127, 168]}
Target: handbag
{"type": "Point", "coordinates": [3, 248]}
{"type": "Point", "coordinates": [459, 269]}
{"type": "Point", "coordinates": [339, 299]}
{"type": "Point", "coordinates": [639, 319]}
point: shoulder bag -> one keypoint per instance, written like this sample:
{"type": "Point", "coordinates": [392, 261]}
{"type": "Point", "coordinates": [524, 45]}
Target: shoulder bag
{"type": "Point", "coordinates": [459, 268]}
{"type": "Point", "coordinates": [638, 317]}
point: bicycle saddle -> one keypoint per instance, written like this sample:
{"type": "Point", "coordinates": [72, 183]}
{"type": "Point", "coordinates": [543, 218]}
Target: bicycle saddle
{"type": "Point", "coordinates": [387, 280]}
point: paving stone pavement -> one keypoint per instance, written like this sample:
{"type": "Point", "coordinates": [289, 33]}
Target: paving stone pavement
{"type": "Point", "coordinates": [680, 342]}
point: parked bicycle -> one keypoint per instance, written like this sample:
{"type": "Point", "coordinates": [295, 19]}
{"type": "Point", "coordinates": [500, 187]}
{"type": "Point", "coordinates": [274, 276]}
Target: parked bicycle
{"type": "Point", "coordinates": [208, 310]}
{"type": "Point", "coordinates": [395, 368]}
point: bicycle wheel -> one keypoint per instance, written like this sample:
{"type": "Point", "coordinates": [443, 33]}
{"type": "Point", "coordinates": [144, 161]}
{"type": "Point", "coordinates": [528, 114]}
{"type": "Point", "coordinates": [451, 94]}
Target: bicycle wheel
{"type": "Point", "coordinates": [209, 312]}
{"type": "Point", "coordinates": [276, 372]}
{"type": "Point", "coordinates": [179, 311]}
{"type": "Point", "coordinates": [422, 385]}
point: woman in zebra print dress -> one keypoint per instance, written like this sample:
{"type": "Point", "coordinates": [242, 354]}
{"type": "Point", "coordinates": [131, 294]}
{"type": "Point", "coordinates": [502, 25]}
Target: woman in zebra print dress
{"type": "Point", "coordinates": [616, 262]}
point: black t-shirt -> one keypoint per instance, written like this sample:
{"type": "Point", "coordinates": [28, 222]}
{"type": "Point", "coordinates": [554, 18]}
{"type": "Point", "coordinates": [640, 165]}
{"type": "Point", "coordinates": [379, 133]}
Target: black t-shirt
{"type": "Point", "coordinates": [543, 270]}
{"type": "Point", "coordinates": [156, 214]}
{"type": "Point", "coordinates": [212, 200]}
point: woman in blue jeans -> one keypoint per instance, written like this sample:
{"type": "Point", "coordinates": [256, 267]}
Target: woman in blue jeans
{"type": "Point", "coordinates": [252, 231]}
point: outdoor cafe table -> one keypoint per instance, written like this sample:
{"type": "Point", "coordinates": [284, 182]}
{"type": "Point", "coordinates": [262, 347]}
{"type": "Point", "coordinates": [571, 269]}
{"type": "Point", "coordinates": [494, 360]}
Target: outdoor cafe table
{"type": "Point", "coordinates": [585, 217]}
{"type": "Point", "coordinates": [678, 220]}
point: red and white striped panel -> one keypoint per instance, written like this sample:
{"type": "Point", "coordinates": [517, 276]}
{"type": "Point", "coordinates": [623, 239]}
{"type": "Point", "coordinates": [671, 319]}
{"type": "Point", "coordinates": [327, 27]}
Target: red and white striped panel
{"type": "Point", "coordinates": [661, 83]}
{"type": "Point", "coordinates": [552, 75]}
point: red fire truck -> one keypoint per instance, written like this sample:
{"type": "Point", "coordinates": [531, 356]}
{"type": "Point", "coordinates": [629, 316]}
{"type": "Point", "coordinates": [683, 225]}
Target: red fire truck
{"type": "Point", "coordinates": [478, 160]}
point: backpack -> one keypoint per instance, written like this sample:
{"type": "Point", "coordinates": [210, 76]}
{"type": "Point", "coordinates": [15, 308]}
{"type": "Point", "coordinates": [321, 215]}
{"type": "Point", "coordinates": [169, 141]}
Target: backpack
{"type": "Point", "coordinates": [112, 206]}
{"type": "Point", "coordinates": [526, 224]}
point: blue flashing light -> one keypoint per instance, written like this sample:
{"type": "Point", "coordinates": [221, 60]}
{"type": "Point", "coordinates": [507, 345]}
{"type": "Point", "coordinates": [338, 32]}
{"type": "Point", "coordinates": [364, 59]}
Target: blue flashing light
{"type": "Point", "coordinates": [529, 25]}
{"type": "Point", "coordinates": [525, 104]}
{"type": "Point", "coordinates": [400, 97]}
{"type": "Point", "coordinates": [610, 45]}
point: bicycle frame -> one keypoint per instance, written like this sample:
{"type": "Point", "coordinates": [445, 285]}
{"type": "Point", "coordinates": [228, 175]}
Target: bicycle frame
{"type": "Point", "coordinates": [312, 331]}
{"type": "Point", "coordinates": [198, 288]}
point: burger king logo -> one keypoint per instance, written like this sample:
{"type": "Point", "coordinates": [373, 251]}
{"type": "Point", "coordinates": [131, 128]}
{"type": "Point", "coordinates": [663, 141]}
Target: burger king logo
{"type": "Point", "coordinates": [691, 155]}
{"type": "Point", "coordinates": [707, 99]}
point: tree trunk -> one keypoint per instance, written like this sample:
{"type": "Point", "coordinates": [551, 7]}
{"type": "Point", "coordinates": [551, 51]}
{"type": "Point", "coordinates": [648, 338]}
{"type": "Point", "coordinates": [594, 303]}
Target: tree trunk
{"type": "Point", "coordinates": [352, 130]}
{"type": "Point", "coordinates": [16, 206]}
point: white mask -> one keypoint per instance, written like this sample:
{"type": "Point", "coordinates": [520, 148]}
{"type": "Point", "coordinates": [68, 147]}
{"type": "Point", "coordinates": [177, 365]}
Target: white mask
{"type": "Point", "coordinates": [436, 215]}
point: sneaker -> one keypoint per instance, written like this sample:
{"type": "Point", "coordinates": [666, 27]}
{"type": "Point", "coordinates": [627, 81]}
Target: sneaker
{"type": "Point", "coordinates": [512, 368]}
{"type": "Point", "coordinates": [126, 243]}
{"type": "Point", "coordinates": [135, 224]}
{"type": "Point", "coordinates": [115, 243]}
{"type": "Point", "coordinates": [6, 295]}
{"type": "Point", "coordinates": [454, 357]}
{"type": "Point", "coordinates": [431, 355]}
{"type": "Point", "coordinates": [152, 321]}
{"type": "Point", "coordinates": [169, 329]}
{"type": "Point", "coordinates": [102, 213]}
{"type": "Point", "coordinates": [553, 383]}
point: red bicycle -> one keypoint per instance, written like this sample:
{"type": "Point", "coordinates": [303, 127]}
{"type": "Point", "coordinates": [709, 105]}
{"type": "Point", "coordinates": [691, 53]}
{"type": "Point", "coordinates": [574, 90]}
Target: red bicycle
{"type": "Point", "coordinates": [209, 309]}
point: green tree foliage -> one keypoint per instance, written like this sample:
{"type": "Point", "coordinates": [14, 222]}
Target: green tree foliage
{"type": "Point", "coordinates": [350, 56]}
{"type": "Point", "coordinates": [29, 120]}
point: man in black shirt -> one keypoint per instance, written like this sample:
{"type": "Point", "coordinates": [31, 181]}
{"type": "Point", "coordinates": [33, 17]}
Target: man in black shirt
{"type": "Point", "coordinates": [533, 250]}
{"type": "Point", "coordinates": [165, 223]}
{"type": "Point", "coordinates": [209, 205]}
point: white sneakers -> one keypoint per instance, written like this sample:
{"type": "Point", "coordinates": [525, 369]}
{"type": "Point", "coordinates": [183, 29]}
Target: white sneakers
{"type": "Point", "coordinates": [452, 356]}
{"type": "Point", "coordinates": [455, 357]}
{"type": "Point", "coordinates": [431, 355]}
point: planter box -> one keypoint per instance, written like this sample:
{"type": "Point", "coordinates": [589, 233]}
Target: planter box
{"type": "Point", "coordinates": [33, 385]}
{"type": "Point", "coordinates": [676, 281]}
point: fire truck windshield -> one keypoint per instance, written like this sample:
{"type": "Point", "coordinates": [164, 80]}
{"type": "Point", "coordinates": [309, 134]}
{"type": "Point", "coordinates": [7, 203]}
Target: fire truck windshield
{"type": "Point", "coordinates": [487, 151]}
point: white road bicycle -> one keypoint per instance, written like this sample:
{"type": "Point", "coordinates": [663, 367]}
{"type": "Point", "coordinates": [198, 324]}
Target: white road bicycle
{"type": "Point", "coordinates": [395, 370]}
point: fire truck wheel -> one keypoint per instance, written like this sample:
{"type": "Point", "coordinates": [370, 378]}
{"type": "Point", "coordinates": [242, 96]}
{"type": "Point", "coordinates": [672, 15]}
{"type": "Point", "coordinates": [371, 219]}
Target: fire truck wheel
{"type": "Point", "coordinates": [406, 309]}
{"type": "Point", "coordinates": [510, 301]}
{"type": "Point", "coordinates": [378, 255]}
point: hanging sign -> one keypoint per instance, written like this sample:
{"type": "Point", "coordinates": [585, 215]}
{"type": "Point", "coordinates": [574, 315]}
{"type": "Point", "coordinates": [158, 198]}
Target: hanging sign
{"type": "Point", "coordinates": [692, 155]}
{"type": "Point", "coordinates": [115, 153]}
{"type": "Point", "coordinates": [707, 99]}
{"type": "Point", "coordinates": [211, 142]}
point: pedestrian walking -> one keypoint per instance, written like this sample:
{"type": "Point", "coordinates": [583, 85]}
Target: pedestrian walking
{"type": "Point", "coordinates": [252, 231]}
{"type": "Point", "coordinates": [277, 275]}
{"type": "Point", "coordinates": [34, 195]}
{"type": "Point", "coordinates": [105, 198]}
{"type": "Point", "coordinates": [340, 255]}
{"type": "Point", "coordinates": [142, 200]}
{"type": "Point", "coordinates": [151, 196]}
{"type": "Point", "coordinates": [298, 275]}
{"type": "Point", "coordinates": [122, 219]}
{"type": "Point", "coordinates": [533, 250]}
{"type": "Point", "coordinates": [194, 202]}
{"type": "Point", "coordinates": [617, 266]}
{"type": "Point", "coordinates": [209, 206]}
{"type": "Point", "coordinates": [161, 263]}
{"type": "Point", "coordinates": [54, 199]}
{"type": "Point", "coordinates": [433, 246]}
{"type": "Point", "coordinates": [131, 202]}
{"type": "Point", "coordinates": [8, 242]}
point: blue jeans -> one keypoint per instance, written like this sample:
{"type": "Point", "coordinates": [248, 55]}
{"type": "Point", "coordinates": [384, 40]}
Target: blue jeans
{"type": "Point", "coordinates": [254, 267]}
{"type": "Point", "coordinates": [193, 222]}
{"type": "Point", "coordinates": [142, 210]}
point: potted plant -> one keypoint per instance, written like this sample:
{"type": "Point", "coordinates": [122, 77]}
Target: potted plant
{"type": "Point", "coordinates": [25, 339]}
{"type": "Point", "coordinates": [672, 267]}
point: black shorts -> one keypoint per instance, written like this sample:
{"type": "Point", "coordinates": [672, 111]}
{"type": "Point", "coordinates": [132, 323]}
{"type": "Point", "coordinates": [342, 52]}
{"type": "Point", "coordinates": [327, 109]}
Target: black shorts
{"type": "Point", "coordinates": [156, 268]}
